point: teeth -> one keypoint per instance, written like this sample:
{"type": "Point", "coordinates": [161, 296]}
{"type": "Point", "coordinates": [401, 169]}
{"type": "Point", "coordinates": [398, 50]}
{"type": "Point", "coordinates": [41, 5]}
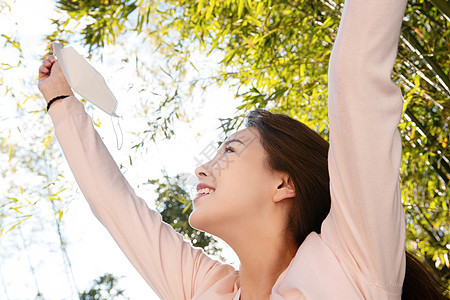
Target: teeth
{"type": "Point", "coordinates": [204, 191]}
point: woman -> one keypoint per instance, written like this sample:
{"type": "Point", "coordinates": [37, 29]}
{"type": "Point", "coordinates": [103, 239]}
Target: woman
{"type": "Point", "coordinates": [267, 191]}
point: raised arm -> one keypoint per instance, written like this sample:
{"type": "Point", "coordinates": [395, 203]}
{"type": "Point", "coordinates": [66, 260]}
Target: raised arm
{"type": "Point", "coordinates": [173, 268]}
{"type": "Point", "coordinates": [366, 227]}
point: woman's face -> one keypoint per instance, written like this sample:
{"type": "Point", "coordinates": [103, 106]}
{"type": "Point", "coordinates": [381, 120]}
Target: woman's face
{"type": "Point", "coordinates": [240, 186]}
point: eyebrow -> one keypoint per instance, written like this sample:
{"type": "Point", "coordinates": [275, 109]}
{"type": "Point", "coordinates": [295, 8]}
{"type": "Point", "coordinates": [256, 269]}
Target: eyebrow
{"type": "Point", "coordinates": [232, 140]}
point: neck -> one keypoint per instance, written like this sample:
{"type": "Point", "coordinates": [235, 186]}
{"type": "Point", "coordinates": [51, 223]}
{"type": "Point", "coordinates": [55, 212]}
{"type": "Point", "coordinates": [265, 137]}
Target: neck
{"type": "Point", "coordinates": [257, 278]}
{"type": "Point", "coordinates": [262, 259]}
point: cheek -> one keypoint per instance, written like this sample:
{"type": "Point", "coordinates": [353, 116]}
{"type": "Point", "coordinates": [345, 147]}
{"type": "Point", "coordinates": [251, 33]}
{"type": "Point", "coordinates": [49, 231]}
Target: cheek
{"type": "Point", "coordinates": [241, 181]}
{"type": "Point", "coordinates": [233, 173]}
{"type": "Point", "coordinates": [242, 189]}
{"type": "Point", "coordinates": [232, 202]}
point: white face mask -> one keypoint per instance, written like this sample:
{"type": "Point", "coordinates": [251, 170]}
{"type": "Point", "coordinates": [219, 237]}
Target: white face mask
{"type": "Point", "coordinates": [84, 79]}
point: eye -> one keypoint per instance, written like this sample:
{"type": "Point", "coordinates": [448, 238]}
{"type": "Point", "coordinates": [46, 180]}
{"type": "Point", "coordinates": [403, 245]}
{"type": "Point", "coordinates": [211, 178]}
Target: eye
{"type": "Point", "coordinates": [229, 150]}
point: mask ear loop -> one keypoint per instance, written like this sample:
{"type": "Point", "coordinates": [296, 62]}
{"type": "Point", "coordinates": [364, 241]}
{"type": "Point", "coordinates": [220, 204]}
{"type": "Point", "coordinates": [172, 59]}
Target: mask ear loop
{"type": "Point", "coordinates": [121, 133]}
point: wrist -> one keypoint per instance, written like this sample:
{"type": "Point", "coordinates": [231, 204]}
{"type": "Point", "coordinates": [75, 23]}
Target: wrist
{"type": "Point", "coordinates": [53, 100]}
{"type": "Point", "coordinates": [56, 91]}
{"type": "Point", "coordinates": [57, 95]}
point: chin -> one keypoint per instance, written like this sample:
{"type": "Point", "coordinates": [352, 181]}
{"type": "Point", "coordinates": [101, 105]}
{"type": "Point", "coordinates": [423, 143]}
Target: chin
{"type": "Point", "coordinates": [203, 222]}
{"type": "Point", "coordinates": [197, 221]}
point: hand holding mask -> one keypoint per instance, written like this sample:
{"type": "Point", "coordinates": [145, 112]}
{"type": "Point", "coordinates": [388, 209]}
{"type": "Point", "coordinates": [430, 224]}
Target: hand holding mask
{"type": "Point", "coordinates": [84, 79]}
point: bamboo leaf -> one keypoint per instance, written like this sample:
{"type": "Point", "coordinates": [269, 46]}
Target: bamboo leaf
{"type": "Point", "coordinates": [186, 208]}
{"type": "Point", "coordinates": [10, 152]}
{"type": "Point", "coordinates": [241, 4]}
{"type": "Point", "coordinates": [59, 213]}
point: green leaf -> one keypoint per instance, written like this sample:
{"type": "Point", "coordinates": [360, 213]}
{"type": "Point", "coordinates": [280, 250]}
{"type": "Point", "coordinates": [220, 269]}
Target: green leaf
{"type": "Point", "coordinates": [327, 22]}
{"type": "Point", "coordinates": [59, 213]}
{"type": "Point", "coordinates": [241, 4]}
{"type": "Point", "coordinates": [186, 208]}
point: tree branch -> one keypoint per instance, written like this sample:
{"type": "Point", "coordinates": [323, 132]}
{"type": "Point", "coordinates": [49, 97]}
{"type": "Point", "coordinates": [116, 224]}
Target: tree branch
{"type": "Point", "coordinates": [431, 63]}
{"type": "Point", "coordinates": [443, 6]}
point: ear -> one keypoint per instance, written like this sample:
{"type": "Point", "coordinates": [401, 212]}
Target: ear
{"type": "Point", "coordinates": [285, 189]}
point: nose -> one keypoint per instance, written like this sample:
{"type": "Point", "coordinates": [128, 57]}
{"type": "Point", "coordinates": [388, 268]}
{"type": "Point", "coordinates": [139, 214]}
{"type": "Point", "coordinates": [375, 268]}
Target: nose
{"type": "Point", "coordinates": [202, 171]}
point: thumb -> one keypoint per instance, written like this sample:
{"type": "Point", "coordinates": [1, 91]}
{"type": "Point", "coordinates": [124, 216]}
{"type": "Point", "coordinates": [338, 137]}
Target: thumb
{"type": "Point", "coordinates": [56, 70]}
{"type": "Point", "coordinates": [57, 74]}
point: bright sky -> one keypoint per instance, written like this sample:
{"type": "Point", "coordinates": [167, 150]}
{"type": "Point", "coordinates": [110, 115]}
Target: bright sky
{"type": "Point", "coordinates": [91, 250]}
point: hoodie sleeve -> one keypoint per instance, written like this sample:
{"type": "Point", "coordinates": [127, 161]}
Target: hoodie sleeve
{"type": "Point", "coordinates": [171, 266]}
{"type": "Point", "coordinates": [366, 227]}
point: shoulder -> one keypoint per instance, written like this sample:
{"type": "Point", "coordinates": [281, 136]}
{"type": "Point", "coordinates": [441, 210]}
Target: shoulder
{"type": "Point", "coordinates": [316, 273]}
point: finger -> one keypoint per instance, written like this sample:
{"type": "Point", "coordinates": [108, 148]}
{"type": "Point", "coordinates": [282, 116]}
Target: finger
{"type": "Point", "coordinates": [43, 71]}
{"type": "Point", "coordinates": [47, 63]}
{"type": "Point", "coordinates": [50, 59]}
{"type": "Point", "coordinates": [51, 46]}
{"type": "Point", "coordinates": [56, 68]}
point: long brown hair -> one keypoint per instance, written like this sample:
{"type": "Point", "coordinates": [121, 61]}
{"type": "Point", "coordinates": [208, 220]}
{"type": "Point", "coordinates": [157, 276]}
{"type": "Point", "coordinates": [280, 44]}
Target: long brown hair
{"type": "Point", "coordinates": [295, 149]}
{"type": "Point", "coordinates": [300, 152]}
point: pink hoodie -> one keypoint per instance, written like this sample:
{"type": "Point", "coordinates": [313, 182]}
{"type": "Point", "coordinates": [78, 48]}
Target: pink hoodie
{"type": "Point", "coordinates": [360, 252]}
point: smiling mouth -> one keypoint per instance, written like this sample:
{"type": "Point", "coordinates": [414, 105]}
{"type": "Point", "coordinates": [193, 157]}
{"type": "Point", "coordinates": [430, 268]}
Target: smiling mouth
{"type": "Point", "coordinates": [203, 192]}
